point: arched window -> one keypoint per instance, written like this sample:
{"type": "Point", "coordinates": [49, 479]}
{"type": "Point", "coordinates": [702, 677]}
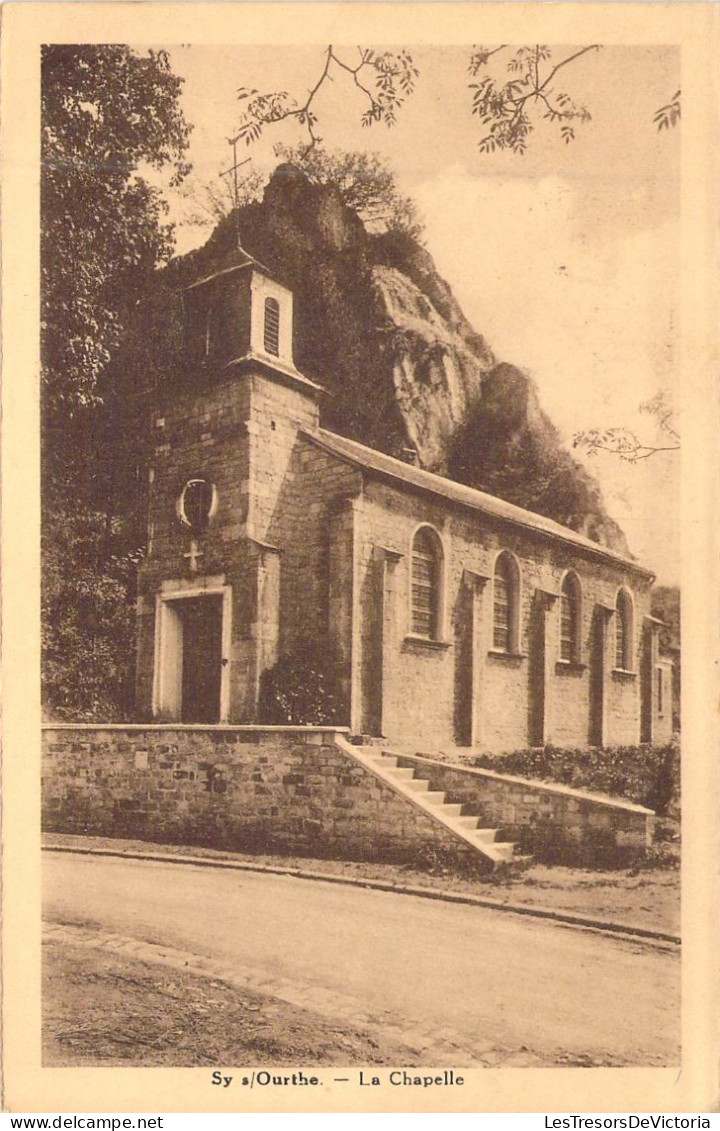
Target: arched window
{"type": "Point", "coordinates": [272, 326]}
{"type": "Point", "coordinates": [506, 595]}
{"type": "Point", "coordinates": [425, 600]}
{"type": "Point", "coordinates": [570, 618]}
{"type": "Point", "coordinates": [623, 631]}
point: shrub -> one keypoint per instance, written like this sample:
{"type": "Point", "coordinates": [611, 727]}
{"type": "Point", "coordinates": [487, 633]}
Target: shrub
{"type": "Point", "coordinates": [300, 690]}
{"type": "Point", "coordinates": [646, 775]}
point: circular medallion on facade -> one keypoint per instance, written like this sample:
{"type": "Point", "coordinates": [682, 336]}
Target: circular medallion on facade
{"type": "Point", "coordinates": [197, 504]}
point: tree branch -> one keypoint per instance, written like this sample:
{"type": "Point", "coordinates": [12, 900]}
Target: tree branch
{"type": "Point", "coordinates": [632, 455]}
{"type": "Point", "coordinates": [354, 71]}
{"type": "Point", "coordinates": [395, 78]}
{"type": "Point", "coordinates": [570, 58]}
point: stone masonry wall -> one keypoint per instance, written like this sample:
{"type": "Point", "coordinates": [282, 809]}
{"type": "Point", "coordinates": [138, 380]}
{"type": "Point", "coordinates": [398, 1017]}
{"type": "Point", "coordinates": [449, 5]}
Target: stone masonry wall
{"type": "Point", "coordinates": [205, 436]}
{"type": "Point", "coordinates": [542, 817]}
{"type": "Point", "coordinates": [308, 504]}
{"type": "Point", "coordinates": [424, 700]}
{"type": "Point", "coordinates": [248, 789]}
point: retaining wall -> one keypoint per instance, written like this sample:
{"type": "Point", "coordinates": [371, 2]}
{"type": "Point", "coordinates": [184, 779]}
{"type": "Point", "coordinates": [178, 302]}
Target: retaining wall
{"type": "Point", "coordinates": [544, 818]}
{"type": "Point", "coordinates": [293, 790]}
{"type": "Point", "coordinates": [254, 789]}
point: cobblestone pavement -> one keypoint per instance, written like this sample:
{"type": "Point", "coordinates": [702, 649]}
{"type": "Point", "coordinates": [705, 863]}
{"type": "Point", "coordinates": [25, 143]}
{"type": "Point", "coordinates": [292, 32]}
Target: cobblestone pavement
{"type": "Point", "coordinates": [442, 1047]}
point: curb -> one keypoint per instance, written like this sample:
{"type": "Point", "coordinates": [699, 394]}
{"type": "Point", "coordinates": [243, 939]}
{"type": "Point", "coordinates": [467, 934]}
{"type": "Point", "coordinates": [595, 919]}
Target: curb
{"type": "Point", "coordinates": [561, 917]}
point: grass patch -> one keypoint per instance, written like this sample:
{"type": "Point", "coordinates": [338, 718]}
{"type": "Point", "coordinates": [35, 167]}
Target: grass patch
{"type": "Point", "coordinates": [110, 1009]}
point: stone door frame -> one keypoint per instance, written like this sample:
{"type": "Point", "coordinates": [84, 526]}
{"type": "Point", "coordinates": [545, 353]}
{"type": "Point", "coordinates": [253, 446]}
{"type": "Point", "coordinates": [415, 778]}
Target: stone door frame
{"type": "Point", "coordinates": [167, 663]}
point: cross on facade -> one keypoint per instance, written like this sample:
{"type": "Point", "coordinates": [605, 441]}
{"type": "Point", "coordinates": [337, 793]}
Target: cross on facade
{"type": "Point", "coordinates": [193, 556]}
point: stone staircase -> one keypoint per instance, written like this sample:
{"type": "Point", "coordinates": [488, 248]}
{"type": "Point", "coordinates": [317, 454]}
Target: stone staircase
{"type": "Point", "coordinates": [404, 780]}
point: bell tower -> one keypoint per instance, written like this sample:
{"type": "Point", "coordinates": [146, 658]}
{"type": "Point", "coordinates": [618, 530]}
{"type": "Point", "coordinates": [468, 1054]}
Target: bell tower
{"type": "Point", "coordinates": [239, 310]}
{"type": "Point", "coordinates": [226, 424]}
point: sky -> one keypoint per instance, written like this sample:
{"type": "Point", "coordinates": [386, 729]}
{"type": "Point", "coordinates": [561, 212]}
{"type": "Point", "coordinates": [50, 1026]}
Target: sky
{"type": "Point", "coordinates": [566, 258]}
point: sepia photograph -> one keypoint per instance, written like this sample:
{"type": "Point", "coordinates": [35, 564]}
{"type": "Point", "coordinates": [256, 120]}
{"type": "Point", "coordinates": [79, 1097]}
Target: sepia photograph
{"type": "Point", "coordinates": [360, 661]}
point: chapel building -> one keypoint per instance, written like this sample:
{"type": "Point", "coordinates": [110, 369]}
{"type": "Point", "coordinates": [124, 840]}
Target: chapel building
{"type": "Point", "coordinates": [449, 617]}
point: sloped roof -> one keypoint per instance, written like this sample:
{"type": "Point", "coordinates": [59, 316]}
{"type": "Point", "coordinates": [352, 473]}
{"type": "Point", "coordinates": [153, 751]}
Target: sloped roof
{"type": "Point", "coordinates": [414, 477]}
{"type": "Point", "coordinates": [236, 260]}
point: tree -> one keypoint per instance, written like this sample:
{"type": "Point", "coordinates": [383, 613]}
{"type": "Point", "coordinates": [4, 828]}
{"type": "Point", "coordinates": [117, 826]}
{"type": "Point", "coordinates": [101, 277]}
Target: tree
{"type": "Point", "coordinates": [108, 113]}
{"type": "Point", "coordinates": [211, 201]}
{"type": "Point", "coordinates": [508, 111]}
{"type": "Point", "coordinates": [625, 443]}
{"type": "Point", "coordinates": [365, 183]}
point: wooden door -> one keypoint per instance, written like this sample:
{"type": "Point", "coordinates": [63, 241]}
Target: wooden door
{"type": "Point", "coordinates": [201, 659]}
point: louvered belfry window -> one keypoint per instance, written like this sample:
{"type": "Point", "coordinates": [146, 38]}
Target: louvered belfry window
{"type": "Point", "coordinates": [425, 584]}
{"type": "Point", "coordinates": [272, 326]}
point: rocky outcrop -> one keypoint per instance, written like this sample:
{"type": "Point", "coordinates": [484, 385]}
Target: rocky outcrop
{"type": "Point", "coordinates": [378, 327]}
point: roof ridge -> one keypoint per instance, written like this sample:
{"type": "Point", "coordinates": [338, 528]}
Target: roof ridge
{"type": "Point", "coordinates": [463, 494]}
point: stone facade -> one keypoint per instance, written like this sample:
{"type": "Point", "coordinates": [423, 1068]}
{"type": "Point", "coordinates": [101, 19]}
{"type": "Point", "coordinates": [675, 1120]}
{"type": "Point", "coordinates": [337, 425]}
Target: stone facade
{"type": "Point", "coordinates": [307, 549]}
{"type": "Point", "coordinates": [458, 691]}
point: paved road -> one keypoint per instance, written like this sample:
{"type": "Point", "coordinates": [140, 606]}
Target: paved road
{"type": "Point", "coordinates": [518, 983]}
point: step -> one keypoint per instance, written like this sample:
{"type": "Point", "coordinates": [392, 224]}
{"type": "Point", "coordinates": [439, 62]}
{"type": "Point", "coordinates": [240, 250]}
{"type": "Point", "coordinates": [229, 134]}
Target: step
{"type": "Point", "coordinates": [503, 850]}
{"type": "Point", "coordinates": [389, 767]}
{"type": "Point", "coordinates": [450, 809]}
{"type": "Point", "coordinates": [401, 773]}
{"type": "Point", "coordinates": [467, 822]}
{"type": "Point", "coordinates": [436, 796]}
{"type": "Point", "coordinates": [386, 760]}
{"type": "Point", "coordinates": [417, 785]}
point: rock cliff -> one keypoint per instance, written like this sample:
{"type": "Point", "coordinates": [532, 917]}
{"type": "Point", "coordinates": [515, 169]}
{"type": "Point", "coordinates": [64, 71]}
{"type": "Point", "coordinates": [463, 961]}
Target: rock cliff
{"type": "Point", "coordinates": [378, 327]}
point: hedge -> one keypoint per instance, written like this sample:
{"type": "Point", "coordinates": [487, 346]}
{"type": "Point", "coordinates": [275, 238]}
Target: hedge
{"type": "Point", "coordinates": [300, 691]}
{"type": "Point", "coordinates": [647, 775]}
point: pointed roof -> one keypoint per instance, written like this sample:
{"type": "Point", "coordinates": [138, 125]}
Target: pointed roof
{"type": "Point", "coordinates": [236, 260]}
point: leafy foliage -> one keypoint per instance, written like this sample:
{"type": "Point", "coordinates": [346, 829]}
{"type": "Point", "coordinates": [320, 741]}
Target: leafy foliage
{"type": "Point", "coordinates": [299, 691]}
{"type": "Point", "coordinates": [107, 114]}
{"type": "Point", "coordinates": [365, 182]}
{"type": "Point", "coordinates": [668, 115]}
{"type": "Point", "coordinates": [88, 621]}
{"type": "Point", "coordinates": [625, 443]}
{"type": "Point", "coordinates": [385, 78]}
{"type": "Point", "coordinates": [507, 108]}
{"type": "Point", "coordinates": [497, 451]}
{"type": "Point", "coordinates": [646, 775]}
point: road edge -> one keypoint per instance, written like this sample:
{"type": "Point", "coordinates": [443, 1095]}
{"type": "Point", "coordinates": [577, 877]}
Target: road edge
{"type": "Point", "coordinates": [563, 918]}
